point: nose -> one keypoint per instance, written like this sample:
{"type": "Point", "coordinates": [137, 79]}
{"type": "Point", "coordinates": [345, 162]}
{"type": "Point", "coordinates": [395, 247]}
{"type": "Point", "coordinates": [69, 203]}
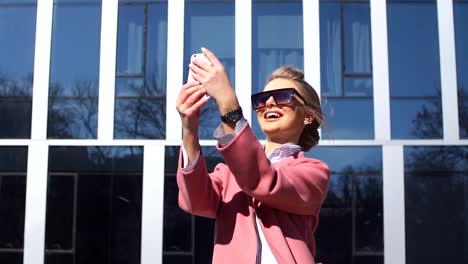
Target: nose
{"type": "Point", "coordinates": [270, 101]}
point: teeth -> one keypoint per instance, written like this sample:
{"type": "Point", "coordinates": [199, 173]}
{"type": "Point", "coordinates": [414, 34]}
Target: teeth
{"type": "Point", "coordinates": [272, 115]}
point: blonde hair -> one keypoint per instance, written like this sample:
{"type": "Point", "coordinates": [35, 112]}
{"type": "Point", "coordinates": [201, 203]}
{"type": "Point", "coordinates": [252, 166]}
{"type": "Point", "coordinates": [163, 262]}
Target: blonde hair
{"type": "Point", "coordinates": [310, 136]}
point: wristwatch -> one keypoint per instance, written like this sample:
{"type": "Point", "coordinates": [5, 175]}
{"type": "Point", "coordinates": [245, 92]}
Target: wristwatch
{"type": "Point", "coordinates": [232, 116]}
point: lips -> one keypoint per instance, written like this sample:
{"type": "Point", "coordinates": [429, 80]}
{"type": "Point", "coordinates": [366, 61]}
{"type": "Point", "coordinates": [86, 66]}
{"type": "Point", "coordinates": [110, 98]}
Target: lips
{"type": "Point", "coordinates": [272, 115]}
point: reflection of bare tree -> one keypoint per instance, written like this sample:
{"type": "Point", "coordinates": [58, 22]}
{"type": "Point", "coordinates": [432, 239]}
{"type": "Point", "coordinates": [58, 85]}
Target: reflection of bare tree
{"type": "Point", "coordinates": [73, 111]}
{"type": "Point", "coordinates": [351, 219]}
{"type": "Point", "coordinates": [15, 109]}
{"type": "Point", "coordinates": [428, 121]}
{"type": "Point", "coordinates": [143, 113]}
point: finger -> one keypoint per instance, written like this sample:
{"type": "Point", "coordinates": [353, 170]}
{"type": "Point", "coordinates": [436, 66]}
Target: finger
{"type": "Point", "coordinates": [186, 91]}
{"type": "Point", "coordinates": [196, 70]}
{"type": "Point", "coordinates": [199, 104]}
{"type": "Point", "coordinates": [194, 97]}
{"type": "Point", "coordinates": [211, 56]}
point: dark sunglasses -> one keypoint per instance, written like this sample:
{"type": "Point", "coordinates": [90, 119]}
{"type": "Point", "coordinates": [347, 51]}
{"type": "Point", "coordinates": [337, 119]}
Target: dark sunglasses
{"type": "Point", "coordinates": [283, 96]}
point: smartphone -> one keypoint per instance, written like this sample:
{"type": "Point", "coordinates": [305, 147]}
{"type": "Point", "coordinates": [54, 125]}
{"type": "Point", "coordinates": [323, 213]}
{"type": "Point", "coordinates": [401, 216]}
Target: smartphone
{"type": "Point", "coordinates": [199, 56]}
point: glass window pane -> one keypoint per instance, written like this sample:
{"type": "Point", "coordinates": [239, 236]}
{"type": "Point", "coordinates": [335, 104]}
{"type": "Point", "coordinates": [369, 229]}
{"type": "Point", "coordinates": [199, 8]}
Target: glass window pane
{"type": "Point", "coordinates": [94, 205]}
{"type": "Point", "coordinates": [417, 118]}
{"type": "Point", "coordinates": [185, 236]}
{"type": "Point", "coordinates": [351, 219]}
{"type": "Point", "coordinates": [357, 40]}
{"type": "Point", "coordinates": [413, 62]}
{"type": "Point", "coordinates": [13, 163]}
{"type": "Point", "coordinates": [17, 39]}
{"type": "Point", "coordinates": [140, 118]}
{"type": "Point", "coordinates": [348, 118]}
{"type": "Point", "coordinates": [330, 49]}
{"type": "Point", "coordinates": [436, 188]}
{"type": "Point", "coordinates": [72, 118]}
{"type": "Point", "coordinates": [140, 102]}
{"type": "Point", "coordinates": [460, 9]}
{"type": "Point", "coordinates": [210, 24]}
{"type": "Point", "coordinates": [277, 39]}
{"type": "Point", "coordinates": [131, 40]}
{"type": "Point", "coordinates": [346, 69]}
{"type": "Point", "coordinates": [74, 70]}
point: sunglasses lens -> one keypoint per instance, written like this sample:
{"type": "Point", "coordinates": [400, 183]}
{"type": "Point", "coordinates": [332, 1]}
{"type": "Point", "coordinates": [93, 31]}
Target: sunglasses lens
{"type": "Point", "coordinates": [259, 100]}
{"type": "Point", "coordinates": [281, 97]}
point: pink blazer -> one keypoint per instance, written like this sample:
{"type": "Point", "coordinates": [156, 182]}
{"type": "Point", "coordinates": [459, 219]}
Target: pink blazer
{"type": "Point", "coordinates": [286, 196]}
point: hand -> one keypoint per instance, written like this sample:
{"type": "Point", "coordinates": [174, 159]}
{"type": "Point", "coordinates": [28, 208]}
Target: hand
{"type": "Point", "coordinates": [190, 100]}
{"type": "Point", "coordinates": [214, 79]}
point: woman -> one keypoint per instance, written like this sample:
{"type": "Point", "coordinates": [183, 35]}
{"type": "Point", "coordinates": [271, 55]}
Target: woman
{"type": "Point", "coordinates": [265, 199]}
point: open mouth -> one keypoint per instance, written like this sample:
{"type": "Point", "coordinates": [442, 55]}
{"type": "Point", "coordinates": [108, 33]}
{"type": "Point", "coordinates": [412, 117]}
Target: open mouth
{"type": "Point", "coordinates": [272, 115]}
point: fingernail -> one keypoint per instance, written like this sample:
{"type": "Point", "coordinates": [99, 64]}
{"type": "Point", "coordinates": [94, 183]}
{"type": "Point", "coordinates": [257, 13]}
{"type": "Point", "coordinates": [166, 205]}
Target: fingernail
{"type": "Point", "coordinates": [203, 48]}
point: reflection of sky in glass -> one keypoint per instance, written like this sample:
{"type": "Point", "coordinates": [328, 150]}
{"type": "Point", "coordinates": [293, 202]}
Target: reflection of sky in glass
{"type": "Point", "coordinates": [277, 39]}
{"type": "Point", "coordinates": [210, 24]}
{"type": "Point", "coordinates": [416, 118]}
{"type": "Point", "coordinates": [17, 38]}
{"type": "Point", "coordinates": [75, 47]}
{"type": "Point", "coordinates": [414, 69]}
{"type": "Point", "coordinates": [413, 47]}
{"type": "Point", "coordinates": [339, 158]}
{"type": "Point", "coordinates": [348, 118]}
{"type": "Point", "coordinates": [346, 70]}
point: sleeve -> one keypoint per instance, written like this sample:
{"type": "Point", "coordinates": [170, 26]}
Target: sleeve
{"type": "Point", "coordinates": [297, 186]}
{"type": "Point", "coordinates": [199, 191]}
{"type": "Point", "coordinates": [225, 138]}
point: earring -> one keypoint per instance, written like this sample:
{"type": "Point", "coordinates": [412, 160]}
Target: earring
{"type": "Point", "coordinates": [307, 122]}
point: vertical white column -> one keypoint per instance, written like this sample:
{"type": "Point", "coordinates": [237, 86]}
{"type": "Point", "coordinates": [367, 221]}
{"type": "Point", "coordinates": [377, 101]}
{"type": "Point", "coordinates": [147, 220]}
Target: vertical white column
{"type": "Point", "coordinates": [380, 70]}
{"type": "Point", "coordinates": [448, 70]}
{"type": "Point", "coordinates": [311, 18]}
{"type": "Point", "coordinates": [36, 193]}
{"type": "Point", "coordinates": [153, 204]}
{"type": "Point", "coordinates": [311, 26]}
{"type": "Point", "coordinates": [41, 69]}
{"type": "Point", "coordinates": [175, 64]}
{"type": "Point", "coordinates": [107, 63]}
{"type": "Point", "coordinates": [394, 204]}
{"type": "Point", "coordinates": [243, 54]}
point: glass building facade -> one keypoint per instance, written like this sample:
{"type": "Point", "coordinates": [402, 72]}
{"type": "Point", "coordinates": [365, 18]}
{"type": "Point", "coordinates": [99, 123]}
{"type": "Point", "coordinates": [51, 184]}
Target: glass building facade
{"type": "Point", "coordinates": [89, 132]}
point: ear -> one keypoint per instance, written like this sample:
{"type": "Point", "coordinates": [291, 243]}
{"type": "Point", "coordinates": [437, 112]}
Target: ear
{"type": "Point", "coordinates": [308, 120]}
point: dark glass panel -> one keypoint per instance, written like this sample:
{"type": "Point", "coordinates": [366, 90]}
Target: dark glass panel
{"type": "Point", "coordinates": [348, 118]}
{"type": "Point", "coordinates": [13, 112]}
{"type": "Point", "coordinates": [11, 257]}
{"type": "Point", "coordinates": [141, 70]}
{"type": "Point", "coordinates": [177, 223]}
{"type": "Point", "coordinates": [351, 219]}
{"type": "Point", "coordinates": [177, 259]}
{"type": "Point", "coordinates": [17, 40]}
{"type": "Point", "coordinates": [12, 2]}
{"type": "Point", "coordinates": [74, 71]}
{"type": "Point", "coordinates": [72, 117]}
{"type": "Point", "coordinates": [98, 201]}
{"type": "Point", "coordinates": [436, 187]}
{"type": "Point", "coordinates": [185, 234]}
{"type": "Point", "coordinates": [140, 118]}
{"type": "Point", "coordinates": [62, 258]}
{"type": "Point", "coordinates": [460, 10]}
{"type": "Point", "coordinates": [416, 118]}
{"type": "Point", "coordinates": [277, 40]}
{"type": "Point", "coordinates": [202, 18]}
{"type": "Point", "coordinates": [13, 165]}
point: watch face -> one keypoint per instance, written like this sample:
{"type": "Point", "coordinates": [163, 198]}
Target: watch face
{"type": "Point", "coordinates": [232, 116]}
